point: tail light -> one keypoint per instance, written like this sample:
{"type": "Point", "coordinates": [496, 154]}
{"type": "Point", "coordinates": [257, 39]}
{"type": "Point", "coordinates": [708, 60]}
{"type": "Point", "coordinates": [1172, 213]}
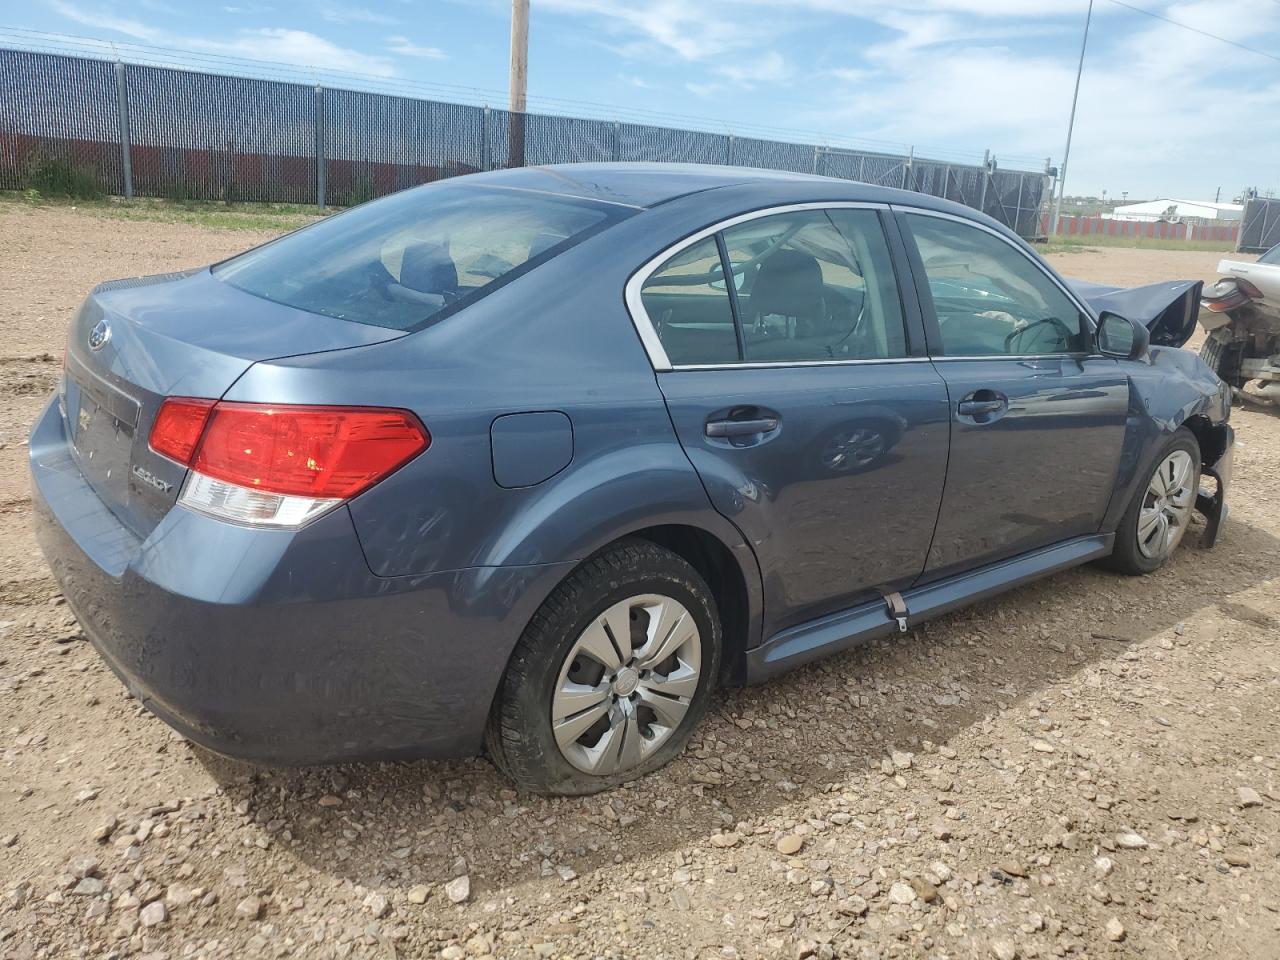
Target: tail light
{"type": "Point", "coordinates": [1227, 294]}
{"type": "Point", "coordinates": [281, 465]}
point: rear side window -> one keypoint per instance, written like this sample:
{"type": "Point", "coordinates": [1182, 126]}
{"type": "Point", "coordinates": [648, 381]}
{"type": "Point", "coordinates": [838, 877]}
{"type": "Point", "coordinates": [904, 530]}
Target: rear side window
{"type": "Point", "coordinates": [816, 285]}
{"type": "Point", "coordinates": [415, 256]}
{"type": "Point", "coordinates": [688, 305]}
{"type": "Point", "coordinates": [812, 285]}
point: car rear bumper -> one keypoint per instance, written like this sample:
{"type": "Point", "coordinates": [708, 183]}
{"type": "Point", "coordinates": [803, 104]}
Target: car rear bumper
{"type": "Point", "coordinates": [280, 646]}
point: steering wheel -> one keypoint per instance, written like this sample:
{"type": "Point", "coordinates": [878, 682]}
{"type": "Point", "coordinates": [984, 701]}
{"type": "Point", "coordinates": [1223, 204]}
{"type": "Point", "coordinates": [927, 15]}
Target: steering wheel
{"type": "Point", "coordinates": [1061, 329]}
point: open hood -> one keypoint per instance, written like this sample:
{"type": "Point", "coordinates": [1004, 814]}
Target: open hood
{"type": "Point", "coordinates": [1168, 309]}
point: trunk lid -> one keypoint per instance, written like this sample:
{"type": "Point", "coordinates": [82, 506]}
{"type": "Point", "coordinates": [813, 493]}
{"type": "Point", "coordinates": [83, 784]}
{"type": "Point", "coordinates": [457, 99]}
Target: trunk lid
{"type": "Point", "coordinates": [135, 342]}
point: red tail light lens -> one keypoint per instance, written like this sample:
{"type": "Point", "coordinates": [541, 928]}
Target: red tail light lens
{"type": "Point", "coordinates": [178, 426]}
{"type": "Point", "coordinates": [1248, 289]}
{"type": "Point", "coordinates": [301, 451]}
{"type": "Point", "coordinates": [318, 452]}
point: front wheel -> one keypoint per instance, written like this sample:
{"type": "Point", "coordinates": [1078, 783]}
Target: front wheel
{"type": "Point", "coordinates": [611, 676]}
{"type": "Point", "coordinates": [1160, 512]}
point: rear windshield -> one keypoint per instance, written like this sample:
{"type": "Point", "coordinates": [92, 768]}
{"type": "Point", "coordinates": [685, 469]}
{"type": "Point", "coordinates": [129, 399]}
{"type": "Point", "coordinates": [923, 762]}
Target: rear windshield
{"type": "Point", "coordinates": [415, 256]}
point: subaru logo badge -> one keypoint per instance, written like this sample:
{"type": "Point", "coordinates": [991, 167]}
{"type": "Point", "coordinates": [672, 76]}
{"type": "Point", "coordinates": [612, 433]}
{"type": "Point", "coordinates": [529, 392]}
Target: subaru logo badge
{"type": "Point", "coordinates": [99, 335]}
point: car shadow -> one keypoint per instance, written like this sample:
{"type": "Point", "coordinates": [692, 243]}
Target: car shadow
{"type": "Point", "coordinates": [788, 741]}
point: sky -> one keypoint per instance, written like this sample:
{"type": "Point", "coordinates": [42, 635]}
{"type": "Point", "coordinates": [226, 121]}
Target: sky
{"type": "Point", "coordinates": [1163, 111]}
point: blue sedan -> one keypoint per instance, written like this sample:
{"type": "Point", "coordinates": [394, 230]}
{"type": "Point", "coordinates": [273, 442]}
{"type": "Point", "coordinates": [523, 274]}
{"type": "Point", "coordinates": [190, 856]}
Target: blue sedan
{"type": "Point", "coordinates": [532, 461]}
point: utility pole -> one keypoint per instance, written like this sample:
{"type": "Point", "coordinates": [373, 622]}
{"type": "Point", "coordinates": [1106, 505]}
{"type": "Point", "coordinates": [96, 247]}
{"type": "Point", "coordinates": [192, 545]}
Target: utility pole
{"type": "Point", "coordinates": [1066, 153]}
{"type": "Point", "coordinates": [519, 81]}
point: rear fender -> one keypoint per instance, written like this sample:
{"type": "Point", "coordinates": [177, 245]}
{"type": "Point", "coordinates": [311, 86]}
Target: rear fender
{"type": "Point", "coordinates": [613, 496]}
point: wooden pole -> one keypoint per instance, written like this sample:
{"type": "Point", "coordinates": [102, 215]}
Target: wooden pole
{"type": "Point", "coordinates": [519, 81]}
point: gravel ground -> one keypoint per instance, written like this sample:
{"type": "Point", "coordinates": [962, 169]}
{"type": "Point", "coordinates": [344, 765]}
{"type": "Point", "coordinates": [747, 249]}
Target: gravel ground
{"type": "Point", "coordinates": [1089, 766]}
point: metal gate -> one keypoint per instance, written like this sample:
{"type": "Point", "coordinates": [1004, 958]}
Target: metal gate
{"type": "Point", "coordinates": [1260, 227]}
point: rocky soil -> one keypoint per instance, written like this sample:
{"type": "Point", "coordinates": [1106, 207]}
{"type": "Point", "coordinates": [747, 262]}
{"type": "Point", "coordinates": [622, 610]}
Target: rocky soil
{"type": "Point", "coordinates": [1089, 766]}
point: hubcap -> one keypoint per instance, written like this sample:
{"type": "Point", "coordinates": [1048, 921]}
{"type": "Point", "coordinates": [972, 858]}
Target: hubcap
{"type": "Point", "coordinates": [626, 684]}
{"type": "Point", "coordinates": [1166, 508]}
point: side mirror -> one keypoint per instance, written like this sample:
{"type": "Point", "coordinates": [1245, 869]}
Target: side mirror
{"type": "Point", "coordinates": [1121, 337]}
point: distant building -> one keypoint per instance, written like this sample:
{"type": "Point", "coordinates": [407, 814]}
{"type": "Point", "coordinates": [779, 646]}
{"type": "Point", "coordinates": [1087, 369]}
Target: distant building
{"type": "Point", "coordinates": [1167, 209]}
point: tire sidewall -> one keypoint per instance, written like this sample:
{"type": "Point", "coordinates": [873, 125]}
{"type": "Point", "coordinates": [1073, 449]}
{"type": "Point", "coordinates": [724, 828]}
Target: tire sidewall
{"type": "Point", "coordinates": [529, 702]}
{"type": "Point", "coordinates": [1127, 550]}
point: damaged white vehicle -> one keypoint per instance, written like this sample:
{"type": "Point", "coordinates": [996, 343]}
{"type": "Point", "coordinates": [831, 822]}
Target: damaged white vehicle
{"type": "Point", "coordinates": [1241, 313]}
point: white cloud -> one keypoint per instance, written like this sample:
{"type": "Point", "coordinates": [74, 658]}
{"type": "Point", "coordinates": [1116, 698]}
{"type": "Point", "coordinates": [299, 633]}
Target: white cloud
{"type": "Point", "coordinates": [634, 81]}
{"type": "Point", "coordinates": [768, 67]}
{"type": "Point", "coordinates": [278, 44]}
{"type": "Point", "coordinates": [404, 47]}
{"type": "Point", "coordinates": [343, 13]}
{"type": "Point", "coordinates": [689, 29]}
{"type": "Point", "coordinates": [964, 74]}
{"type": "Point", "coordinates": [1150, 96]}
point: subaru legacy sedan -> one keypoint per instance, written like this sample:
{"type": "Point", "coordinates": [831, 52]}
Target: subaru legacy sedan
{"type": "Point", "coordinates": [532, 461]}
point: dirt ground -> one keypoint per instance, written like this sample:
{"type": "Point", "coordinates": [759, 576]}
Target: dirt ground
{"type": "Point", "coordinates": [1089, 766]}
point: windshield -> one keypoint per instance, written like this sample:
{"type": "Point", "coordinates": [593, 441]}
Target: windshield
{"type": "Point", "coordinates": [415, 256]}
{"type": "Point", "coordinates": [1271, 256]}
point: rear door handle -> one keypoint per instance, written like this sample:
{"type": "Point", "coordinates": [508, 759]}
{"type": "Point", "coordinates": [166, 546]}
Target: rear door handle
{"type": "Point", "coordinates": [741, 428]}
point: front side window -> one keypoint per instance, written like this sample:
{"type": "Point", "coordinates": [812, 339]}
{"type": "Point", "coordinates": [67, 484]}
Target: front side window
{"type": "Point", "coordinates": [414, 256]}
{"type": "Point", "coordinates": [1272, 256]}
{"type": "Point", "coordinates": [990, 299]}
{"type": "Point", "coordinates": [815, 285]}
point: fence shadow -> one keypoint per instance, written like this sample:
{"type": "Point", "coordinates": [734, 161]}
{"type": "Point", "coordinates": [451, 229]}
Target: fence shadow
{"type": "Point", "coordinates": [826, 724]}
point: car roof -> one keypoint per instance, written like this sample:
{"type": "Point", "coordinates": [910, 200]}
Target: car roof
{"type": "Point", "coordinates": [645, 185]}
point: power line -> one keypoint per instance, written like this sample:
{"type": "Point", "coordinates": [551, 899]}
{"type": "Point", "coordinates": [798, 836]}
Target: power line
{"type": "Point", "coordinates": [1204, 33]}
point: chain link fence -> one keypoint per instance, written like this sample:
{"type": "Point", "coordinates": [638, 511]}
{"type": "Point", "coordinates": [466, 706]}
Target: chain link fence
{"type": "Point", "coordinates": [90, 127]}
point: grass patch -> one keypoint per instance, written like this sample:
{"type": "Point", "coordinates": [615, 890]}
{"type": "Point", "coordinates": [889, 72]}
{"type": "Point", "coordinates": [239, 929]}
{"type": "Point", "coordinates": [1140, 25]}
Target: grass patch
{"type": "Point", "coordinates": [215, 214]}
{"type": "Point", "coordinates": [1086, 244]}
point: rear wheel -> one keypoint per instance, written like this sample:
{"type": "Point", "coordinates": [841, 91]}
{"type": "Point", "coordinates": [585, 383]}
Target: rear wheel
{"type": "Point", "coordinates": [611, 676]}
{"type": "Point", "coordinates": [1160, 512]}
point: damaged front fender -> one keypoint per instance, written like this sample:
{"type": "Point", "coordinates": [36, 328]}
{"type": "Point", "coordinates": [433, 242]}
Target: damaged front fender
{"type": "Point", "coordinates": [1169, 389]}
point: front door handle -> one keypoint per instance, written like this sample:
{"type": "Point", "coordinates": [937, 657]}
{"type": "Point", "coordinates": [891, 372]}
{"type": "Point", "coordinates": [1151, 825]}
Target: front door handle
{"type": "Point", "coordinates": [741, 428]}
{"type": "Point", "coordinates": [972, 408]}
{"type": "Point", "coordinates": [983, 406]}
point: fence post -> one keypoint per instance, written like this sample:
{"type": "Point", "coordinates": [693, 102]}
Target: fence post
{"type": "Point", "coordinates": [122, 107]}
{"type": "Point", "coordinates": [320, 164]}
{"type": "Point", "coordinates": [485, 162]}
{"type": "Point", "coordinates": [906, 168]}
{"type": "Point", "coordinates": [729, 151]}
{"type": "Point", "coordinates": [1017, 211]}
{"type": "Point", "coordinates": [986, 175]}
{"type": "Point", "coordinates": [617, 141]}
{"type": "Point", "coordinates": [817, 153]}
{"type": "Point", "coordinates": [862, 167]}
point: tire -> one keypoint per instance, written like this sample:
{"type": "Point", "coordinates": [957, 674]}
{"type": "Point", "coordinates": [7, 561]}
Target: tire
{"type": "Point", "coordinates": [1136, 554]}
{"type": "Point", "coordinates": [636, 583]}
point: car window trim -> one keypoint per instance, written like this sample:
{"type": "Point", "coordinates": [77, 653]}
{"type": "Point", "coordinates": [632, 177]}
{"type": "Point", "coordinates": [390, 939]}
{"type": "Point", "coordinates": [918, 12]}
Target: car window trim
{"type": "Point", "coordinates": [1091, 320]}
{"type": "Point", "coordinates": [648, 333]}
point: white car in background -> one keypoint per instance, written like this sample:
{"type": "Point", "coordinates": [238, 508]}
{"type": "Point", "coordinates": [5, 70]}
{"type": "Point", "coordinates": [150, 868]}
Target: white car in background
{"type": "Point", "coordinates": [1241, 313]}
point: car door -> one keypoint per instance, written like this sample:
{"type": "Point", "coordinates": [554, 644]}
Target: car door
{"type": "Point", "coordinates": [796, 396]}
{"type": "Point", "coordinates": [1037, 417]}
